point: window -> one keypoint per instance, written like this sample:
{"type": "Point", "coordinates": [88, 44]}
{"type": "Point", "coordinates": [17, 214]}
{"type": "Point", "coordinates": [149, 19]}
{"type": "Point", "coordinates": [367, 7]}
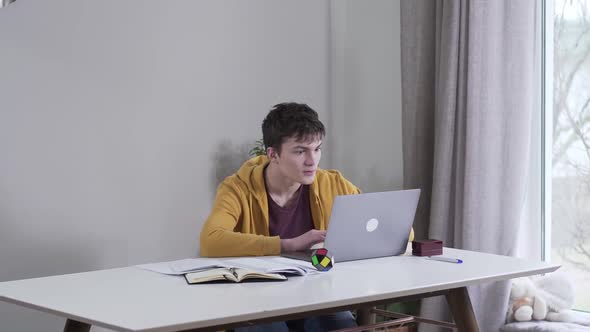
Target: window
{"type": "Point", "coordinates": [567, 141]}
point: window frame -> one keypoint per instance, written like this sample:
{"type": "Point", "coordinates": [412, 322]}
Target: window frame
{"type": "Point", "coordinates": [547, 12]}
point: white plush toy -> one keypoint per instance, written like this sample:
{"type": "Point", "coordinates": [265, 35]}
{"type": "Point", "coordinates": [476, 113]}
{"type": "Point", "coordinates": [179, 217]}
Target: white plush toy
{"type": "Point", "coordinates": [549, 297]}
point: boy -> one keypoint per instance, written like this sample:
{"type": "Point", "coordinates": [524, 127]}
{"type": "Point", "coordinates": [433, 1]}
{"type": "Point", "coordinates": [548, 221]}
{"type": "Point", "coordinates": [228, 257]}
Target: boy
{"type": "Point", "coordinates": [281, 201]}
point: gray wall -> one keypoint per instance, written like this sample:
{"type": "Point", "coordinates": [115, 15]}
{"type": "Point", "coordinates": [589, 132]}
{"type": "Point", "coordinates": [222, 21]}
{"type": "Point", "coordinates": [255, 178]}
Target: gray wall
{"type": "Point", "coordinates": [118, 118]}
{"type": "Point", "coordinates": [366, 139]}
{"type": "Point", "coordinates": [114, 116]}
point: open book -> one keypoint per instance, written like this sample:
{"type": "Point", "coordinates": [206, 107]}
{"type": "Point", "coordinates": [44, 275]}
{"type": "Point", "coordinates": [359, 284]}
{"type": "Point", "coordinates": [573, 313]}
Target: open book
{"type": "Point", "coordinates": [234, 274]}
{"type": "Point", "coordinates": [267, 264]}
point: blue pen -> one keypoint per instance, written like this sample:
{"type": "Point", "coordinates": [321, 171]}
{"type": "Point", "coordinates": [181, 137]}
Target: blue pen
{"type": "Point", "coordinates": [445, 259]}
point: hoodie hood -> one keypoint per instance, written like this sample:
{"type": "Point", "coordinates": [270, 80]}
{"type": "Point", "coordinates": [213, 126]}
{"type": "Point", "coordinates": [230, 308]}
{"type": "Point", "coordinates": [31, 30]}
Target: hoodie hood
{"type": "Point", "coordinates": [252, 174]}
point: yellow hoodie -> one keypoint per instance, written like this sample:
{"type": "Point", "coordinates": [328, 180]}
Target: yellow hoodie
{"type": "Point", "coordinates": [238, 223]}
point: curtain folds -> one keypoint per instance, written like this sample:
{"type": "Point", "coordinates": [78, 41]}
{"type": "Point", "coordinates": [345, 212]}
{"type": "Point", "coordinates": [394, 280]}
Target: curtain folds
{"type": "Point", "coordinates": [468, 88]}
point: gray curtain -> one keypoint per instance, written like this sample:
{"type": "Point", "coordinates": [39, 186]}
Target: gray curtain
{"type": "Point", "coordinates": [6, 2]}
{"type": "Point", "coordinates": [467, 94]}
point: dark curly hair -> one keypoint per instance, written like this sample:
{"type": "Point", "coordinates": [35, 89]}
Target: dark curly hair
{"type": "Point", "coordinates": [288, 120]}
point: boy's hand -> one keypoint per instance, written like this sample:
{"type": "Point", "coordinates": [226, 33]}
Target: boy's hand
{"type": "Point", "coordinates": [304, 241]}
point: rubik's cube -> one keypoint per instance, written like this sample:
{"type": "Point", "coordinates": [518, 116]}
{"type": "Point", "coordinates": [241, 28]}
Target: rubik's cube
{"type": "Point", "coordinates": [320, 259]}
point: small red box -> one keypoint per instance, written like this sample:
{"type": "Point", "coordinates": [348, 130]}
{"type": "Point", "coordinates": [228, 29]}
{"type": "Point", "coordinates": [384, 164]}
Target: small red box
{"type": "Point", "coordinates": [429, 247]}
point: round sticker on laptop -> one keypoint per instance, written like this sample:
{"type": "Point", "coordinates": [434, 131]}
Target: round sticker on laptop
{"type": "Point", "coordinates": [372, 224]}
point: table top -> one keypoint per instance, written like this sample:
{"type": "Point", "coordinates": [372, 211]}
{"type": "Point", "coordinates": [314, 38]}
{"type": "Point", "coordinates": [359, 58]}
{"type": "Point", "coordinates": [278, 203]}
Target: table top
{"type": "Point", "coordinates": [132, 299]}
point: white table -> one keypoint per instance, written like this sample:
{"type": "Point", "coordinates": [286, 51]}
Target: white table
{"type": "Point", "coordinates": [131, 299]}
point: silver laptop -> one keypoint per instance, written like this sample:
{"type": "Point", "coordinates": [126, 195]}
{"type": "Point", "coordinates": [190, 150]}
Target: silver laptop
{"type": "Point", "coordinates": [368, 225]}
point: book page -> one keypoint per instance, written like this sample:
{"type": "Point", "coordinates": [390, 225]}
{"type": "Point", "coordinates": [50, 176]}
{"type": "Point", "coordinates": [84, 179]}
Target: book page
{"type": "Point", "coordinates": [211, 275]}
{"type": "Point", "coordinates": [272, 264]}
{"type": "Point", "coordinates": [183, 266]}
{"type": "Point", "coordinates": [249, 274]}
{"type": "Point", "coordinates": [305, 265]}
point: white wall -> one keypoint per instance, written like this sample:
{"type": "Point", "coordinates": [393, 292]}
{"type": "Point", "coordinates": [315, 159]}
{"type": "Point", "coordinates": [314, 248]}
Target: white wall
{"type": "Point", "coordinates": [118, 118]}
{"type": "Point", "coordinates": [366, 137]}
{"type": "Point", "coordinates": [115, 115]}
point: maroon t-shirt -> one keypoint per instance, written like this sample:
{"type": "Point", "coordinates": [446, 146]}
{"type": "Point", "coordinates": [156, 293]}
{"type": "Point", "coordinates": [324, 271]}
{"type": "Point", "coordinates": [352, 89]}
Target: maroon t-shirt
{"type": "Point", "coordinates": [292, 221]}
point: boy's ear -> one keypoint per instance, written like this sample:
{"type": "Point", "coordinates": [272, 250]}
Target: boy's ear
{"type": "Point", "coordinates": [272, 154]}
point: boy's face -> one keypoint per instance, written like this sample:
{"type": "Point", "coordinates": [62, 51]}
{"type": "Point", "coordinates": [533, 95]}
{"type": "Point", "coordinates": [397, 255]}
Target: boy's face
{"type": "Point", "coordinates": [298, 160]}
